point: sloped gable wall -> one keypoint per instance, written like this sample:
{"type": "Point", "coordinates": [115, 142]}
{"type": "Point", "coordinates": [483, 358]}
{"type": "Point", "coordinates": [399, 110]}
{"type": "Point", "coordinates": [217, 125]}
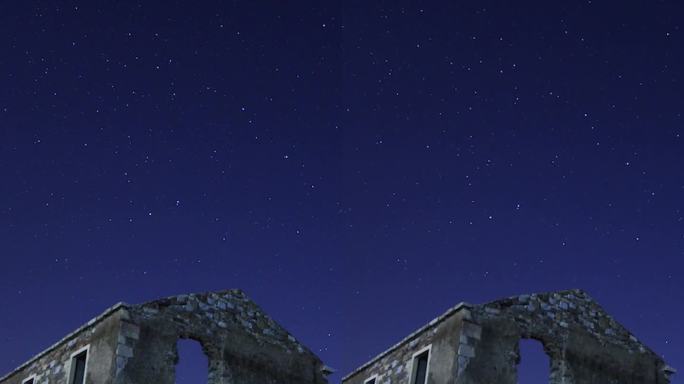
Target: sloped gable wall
{"type": "Point", "coordinates": [584, 343]}
{"type": "Point", "coordinates": [395, 365]}
{"type": "Point", "coordinates": [242, 343]}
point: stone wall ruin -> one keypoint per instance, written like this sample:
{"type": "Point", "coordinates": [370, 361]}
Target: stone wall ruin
{"type": "Point", "coordinates": [135, 344]}
{"type": "Point", "coordinates": [469, 344]}
{"type": "Point", "coordinates": [478, 344]}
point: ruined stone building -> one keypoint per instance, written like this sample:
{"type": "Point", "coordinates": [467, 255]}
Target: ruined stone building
{"type": "Point", "coordinates": [479, 344]}
{"type": "Point", "coordinates": [136, 344]}
{"type": "Point", "coordinates": [469, 344]}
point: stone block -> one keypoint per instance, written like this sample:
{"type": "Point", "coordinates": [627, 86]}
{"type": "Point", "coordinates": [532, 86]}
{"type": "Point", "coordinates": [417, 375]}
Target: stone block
{"type": "Point", "coordinates": [124, 351]}
{"type": "Point", "coordinates": [472, 330]}
{"type": "Point", "coordinates": [130, 330]}
{"type": "Point", "coordinates": [466, 350]}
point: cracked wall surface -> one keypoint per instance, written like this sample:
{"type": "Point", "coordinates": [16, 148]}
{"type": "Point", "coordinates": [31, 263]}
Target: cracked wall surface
{"type": "Point", "coordinates": [478, 344]}
{"type": "Point", "coordinates": [135, 344]}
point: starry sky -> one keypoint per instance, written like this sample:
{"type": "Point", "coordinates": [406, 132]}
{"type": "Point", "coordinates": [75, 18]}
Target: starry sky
{"type": "Point", "coordinates": [356, 167]}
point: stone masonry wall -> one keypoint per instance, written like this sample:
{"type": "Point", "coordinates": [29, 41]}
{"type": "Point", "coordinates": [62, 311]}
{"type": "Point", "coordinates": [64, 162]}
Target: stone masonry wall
{"type": "Point", "coordinates": [52, 366]}
{"type": "Point", "coordinates": [395, 365]}
{"type": "Point", "coordinates": [584, 343]}
{"type": "Point", "coordinates": [136, 344]}
{"type": "Point", "coordinates": [242, 343]}
{"type": "Point", "coordinates": [470, 344]}
{"type": "Point", "coordinates": [479, 344]}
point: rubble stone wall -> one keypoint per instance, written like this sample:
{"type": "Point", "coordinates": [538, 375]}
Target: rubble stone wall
{"type": "Point", "coordinates": [242, 344]}
{"type": "Point", "coordinates": [137, 344]}
{"type": "Point", "coordinates": [584, 343]}
{"type": "Point", "coordinates": [470, 344]}
{"type": "Point", "coordinates": [480, 344]}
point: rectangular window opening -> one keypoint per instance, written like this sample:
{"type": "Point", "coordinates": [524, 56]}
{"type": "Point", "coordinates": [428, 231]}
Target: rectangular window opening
{"type": "Point", "coordinates": [420, 366]}
{"type": "Point", "coordinates": [79, 362]}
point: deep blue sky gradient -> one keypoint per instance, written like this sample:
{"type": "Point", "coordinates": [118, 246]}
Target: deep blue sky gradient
{"type": "Point", "coordinates": [356, 167]}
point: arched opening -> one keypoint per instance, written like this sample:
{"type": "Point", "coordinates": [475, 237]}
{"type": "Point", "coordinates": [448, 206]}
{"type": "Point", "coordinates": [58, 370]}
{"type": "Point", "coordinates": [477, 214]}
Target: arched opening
{"type": "Point", "coordinates": [193, 365]}
{"type": "Point", "coordinates": [534, 366]}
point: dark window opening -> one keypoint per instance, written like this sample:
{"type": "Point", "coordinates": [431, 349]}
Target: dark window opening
{"type": "Point", "coordinates": [28, 381]}
{"type": "Point", "coordinates": [535, 365]}
{"type": "Point", "coordinates": [193, 365]}
{"type": "Point", "coordinates": [420, 367]}
{"type": "Point", "coordinates": [78, 367]}
{"type": "Point", "coordinates": [370, 381]}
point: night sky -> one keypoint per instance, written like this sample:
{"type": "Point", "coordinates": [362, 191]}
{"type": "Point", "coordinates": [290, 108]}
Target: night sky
{"type": "Point", "coordinates": [356, 167]}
